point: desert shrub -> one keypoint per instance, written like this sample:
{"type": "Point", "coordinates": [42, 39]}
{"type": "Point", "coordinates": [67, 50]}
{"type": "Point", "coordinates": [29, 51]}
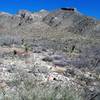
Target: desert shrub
{"type": "Point", "coordinates": [26, 87]}
{"type": "Point", "coordinates": [9, 40]}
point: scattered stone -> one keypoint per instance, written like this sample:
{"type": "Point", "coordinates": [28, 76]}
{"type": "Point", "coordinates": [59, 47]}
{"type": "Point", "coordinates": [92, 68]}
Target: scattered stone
{"type": "Point", "coordinates": [47, 59]}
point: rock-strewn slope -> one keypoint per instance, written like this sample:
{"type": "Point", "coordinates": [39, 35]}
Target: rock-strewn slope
{"type": "Point", "coordinates": [51, 51]}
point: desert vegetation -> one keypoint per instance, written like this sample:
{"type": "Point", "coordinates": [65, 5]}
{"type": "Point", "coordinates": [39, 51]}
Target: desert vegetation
{"type": "Point", "coordinates": [49, 56]}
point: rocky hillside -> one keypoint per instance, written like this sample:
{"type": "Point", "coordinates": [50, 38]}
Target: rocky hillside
{"type": "Point", "coordinates": [49, 55]}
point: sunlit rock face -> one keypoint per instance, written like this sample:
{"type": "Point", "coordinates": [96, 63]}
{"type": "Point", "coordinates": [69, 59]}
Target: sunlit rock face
{"type": "Point", "coordinates": [71, 21]}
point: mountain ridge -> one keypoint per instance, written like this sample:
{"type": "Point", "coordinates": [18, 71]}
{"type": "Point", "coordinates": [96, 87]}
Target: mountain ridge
{"type": "Point", "coordinates": [53, 51]}
{"type": "Point", "coordinates": [59, 19]}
